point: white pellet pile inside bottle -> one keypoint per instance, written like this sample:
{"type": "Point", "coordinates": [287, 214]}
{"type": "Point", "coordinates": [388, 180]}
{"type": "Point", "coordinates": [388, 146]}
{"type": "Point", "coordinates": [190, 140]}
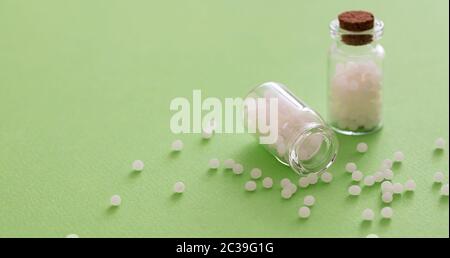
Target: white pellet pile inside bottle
{"type": "Point", "coordinates": [355, 95]}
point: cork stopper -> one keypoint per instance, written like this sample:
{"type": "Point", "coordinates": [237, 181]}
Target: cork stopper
{"type": "Point", "coordinates": [356, 21]}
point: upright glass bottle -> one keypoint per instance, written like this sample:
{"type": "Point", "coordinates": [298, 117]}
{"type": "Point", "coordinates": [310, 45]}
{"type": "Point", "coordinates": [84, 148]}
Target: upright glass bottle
{"type": "Point", "coordinates": [355, 73]}
{"type": "Point", "coordinates": [304, 141]}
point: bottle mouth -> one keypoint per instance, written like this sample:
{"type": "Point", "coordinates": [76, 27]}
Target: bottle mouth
{"type": "Point", "coordinates": [359, 37]}
{"type": "Point", "coordinates": [314, 151]}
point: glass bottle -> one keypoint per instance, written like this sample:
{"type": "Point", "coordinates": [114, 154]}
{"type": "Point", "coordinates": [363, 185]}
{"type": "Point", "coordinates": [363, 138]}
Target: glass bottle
{"type": "Point", "coordinates": [355, 75]}
{"type": "Point", "coordinates": [304, 141]}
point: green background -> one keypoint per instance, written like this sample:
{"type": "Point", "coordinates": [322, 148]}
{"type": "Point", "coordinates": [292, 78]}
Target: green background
{"type": "Point", "coordinates": [85, 87]}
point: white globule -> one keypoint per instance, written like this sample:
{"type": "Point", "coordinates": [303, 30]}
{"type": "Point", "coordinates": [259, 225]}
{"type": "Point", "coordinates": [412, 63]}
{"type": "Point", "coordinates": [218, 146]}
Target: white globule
{"type": "Point", "coordinates": [312, 178]}
{"type": "Point", "coordinates": [292, 188]}
{"type": "Point", "coordinates": [116, 200]}
{"type": "Point", "coordinates": [286, 193]}
{"type": "Point", "coordinates": [388, 174]}
{"type": "Point", "coordinates": [267, 182]}
{"type": "Point", "coordinates": [444, 190]}
{"type": "Point", "coordinates": [72, 236]}
{"type": "Point", "coordinates": [250, 186]}
{"type": "Point", "coordinates": [440, 143]}
{"type": "Point", "coordinates": [387, 197]}
{"type": "Point", "coordinates": [398, 188]}
{"type": "Point", "coordinates": [410, 185]}
{"type": "Point", "coordinates": [355, 95]}
{"type": "Point", "coordinates": [372, 236]}
{"type": "Point", "coordinates": [285, 182]}
{"type": "Point", "coordinates": [214, 163]}
{"type": "Point", "coordinates": [304, 212]}
{"type": "Point", "coordinates": [351, 167]}
{"type": "Point", "coordinates": [362, 147]}
{"type": "Point", "coordinates": [357, 176]}
{"type": "Point", "coordinates": [399, 156]}
{"type": "Point", "coordinates": [387, 164]}
{"type": "Point", "coordinates": [369, 180]}
{"type": "Point", "coordinates": [326, 177]}
{"type": "Point", "coordinates": [228, 163]}
{"type": "Point", "coordinates": [303, 182]}
{"type": "Point", "coordinates": [439, 177]}
{"type": "Point", "coordinates": [138, 165]}
{"type": "Point", "coordinates": [387, 186]}
{"type": "Point", "coordinates": [238, 169]}
{"type": "Point", "coordinates": [368, 215]}
{"type": "Point", "coordinates": [354, 190]}
{"type": "Point", "coordinates": [387, 212]}
{"type": "Point", "coordinates": [379, 176]}
{"type": "Point", "coordinates": [207, 133]}
{"type": "Point", "coordinates": [309, 200]}
{"type": "Point", "coordinates": [177, 145]}
{"type": "Point", "coordinates": [255, 173]}
{"type": "Point", "coordinates": [179, 187]}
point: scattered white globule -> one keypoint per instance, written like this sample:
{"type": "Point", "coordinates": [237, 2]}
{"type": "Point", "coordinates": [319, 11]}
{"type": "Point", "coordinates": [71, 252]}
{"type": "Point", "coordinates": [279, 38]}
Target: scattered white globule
{"type": "Point", "coordinates": [372, 236]}
{"type": "Point", "coordinates": [177, 145]}
{"type": "Point", "coordinates": [387, 186]}
{"type": "Point", "coordinates": [255, 173]}
{"type": "Point", "coordinates": [379, 176]}
{"type": "Point", "coordinates": [238, 169]}
{"type": "Point", "coordinates": [368, 215]}
{"type": "Point", "coordinates": [388, 174]}
{"type": "Point", "coordinates": [303, 182]}
{"type": "Point", "coordinates": [387, 212]}
{"type": "Point", "coordinates": [286, 193]}
{"type": "Point", "coordinates": [369, 180]}
{"type": "Point", "coordinates": [250, 186]}
{"type": "Point", "coordinates": [267, 182]}
{"type": "Point", "coordinates": [357, 176]}
{"type": "Point", "coordinates": [138, 165]}
{"type": "Point", "coordinates": [116, 200]}
{"type": "Point", "coordinates": [326, 177]}
{"type": "Point", "coordinates": [387, 164]}
{"type": "Point", "coordinates": [292, 188]}
{"type": "Point", "coordinates": [228, 163]}
{"type": "Point", "coordinates": [355, 95]}
{"type": "Point", "coordinates": [285, 182]}
{"type": "Point", "coordinates": [304, 212]}
{"type": "Point", "coordinates": [179, 187]}
{"type": "Point", "coordinates": [440, 143]}
{"type": "Point", "coordinates": [354, 190]}
{"type": "Point", "coordinates": [207, 133]}
{"type": "Point", "coordinates": [439, 177]}
{"type": "Point", "coordinates": [410, 185]}
{"type": "Point", "coordinates": [362, 147]}
{"type": "Point", "coordinates": [72, 236]}
{"type": "Point", "coordinates": [399, 156]}
{"type": "Point", "coordinates": [312, 178]}
{"type": "Point", "coordinates": [214, 163]}
{"type": "Point", "coordinates": [398, 188]}
{"type": "Point", "coordinates": [309, 200]}
{"type": "Point", "coordinates": [351, 167]}
{"type": "Point", "coordinates": [444, 190]}
{"type": "Point", "coordinates": [387, 197]}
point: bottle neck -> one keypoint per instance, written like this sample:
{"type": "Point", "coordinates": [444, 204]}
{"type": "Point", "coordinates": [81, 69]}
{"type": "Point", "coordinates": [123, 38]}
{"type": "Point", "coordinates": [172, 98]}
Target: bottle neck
{"type": "Point", "coordinates": [313, 151]}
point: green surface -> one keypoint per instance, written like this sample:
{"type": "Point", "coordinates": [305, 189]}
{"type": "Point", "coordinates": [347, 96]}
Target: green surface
{"type": "Point", "coordinates": [85, 88]}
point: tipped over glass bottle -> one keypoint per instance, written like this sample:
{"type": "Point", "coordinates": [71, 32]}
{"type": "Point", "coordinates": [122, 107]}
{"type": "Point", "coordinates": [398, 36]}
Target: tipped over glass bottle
{"type": "Point", "coordinates": [355, 73]}
{"type": "Point", "coordinates": [303, 140]}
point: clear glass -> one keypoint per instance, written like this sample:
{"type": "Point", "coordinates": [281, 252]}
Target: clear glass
{"type": "Point", "coordinates": [305, 142]}
{"type": "Point", "coordinates": [355, 79]}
